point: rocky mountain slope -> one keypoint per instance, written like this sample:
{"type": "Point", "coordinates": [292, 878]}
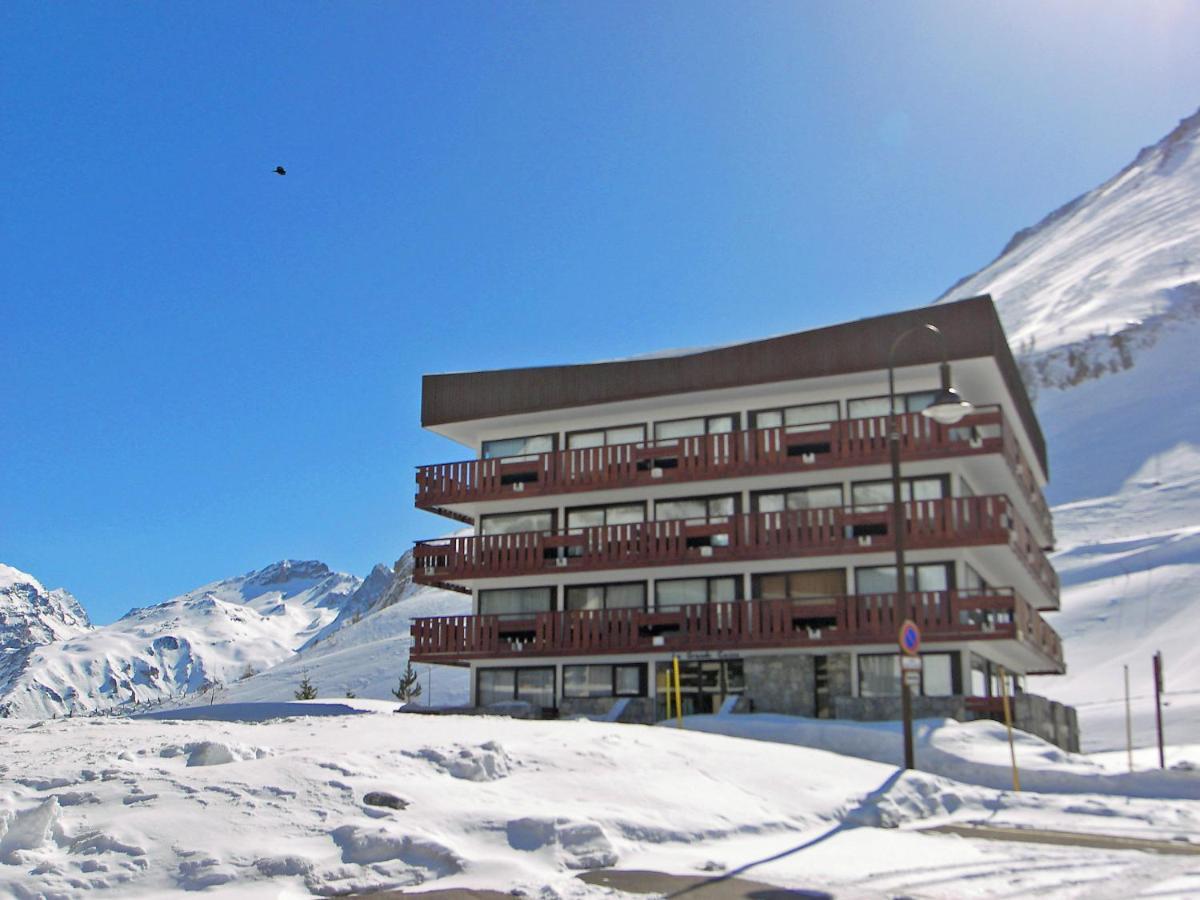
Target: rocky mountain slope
{"type": "Point", "coordinates": [31, 617]}
{"type": "Point", "coordinates": [213, 634]}
{"type": "Point", "coordinates": [1101, 301]}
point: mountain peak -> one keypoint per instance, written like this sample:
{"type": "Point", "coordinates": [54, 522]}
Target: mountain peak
{"type": "Point", "coordinates": [289, 570]}
{"type": "Point", "coordinates": [1125, 251]}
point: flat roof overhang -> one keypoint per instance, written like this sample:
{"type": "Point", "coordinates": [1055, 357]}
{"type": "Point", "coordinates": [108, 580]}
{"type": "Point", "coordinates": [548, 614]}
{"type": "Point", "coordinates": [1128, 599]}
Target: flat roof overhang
{"type": "Point", "coordinates": [972, 329]}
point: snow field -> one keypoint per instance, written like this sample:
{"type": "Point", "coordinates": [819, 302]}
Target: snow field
{"type": "Point", "coordinates": [137, 808]}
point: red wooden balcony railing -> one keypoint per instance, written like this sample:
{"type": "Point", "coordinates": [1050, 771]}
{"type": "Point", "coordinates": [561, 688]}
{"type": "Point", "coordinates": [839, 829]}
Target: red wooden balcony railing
{"type": "Point", "coordinates": [994, 614]}
{"type": "Point", "coordinates": [764, 451]}
{"type": "Point", "coordinates": [825, 531]}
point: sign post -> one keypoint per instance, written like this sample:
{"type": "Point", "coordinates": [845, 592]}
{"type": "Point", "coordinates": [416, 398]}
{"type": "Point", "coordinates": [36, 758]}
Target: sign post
{"type": "Point", "coordinates": [1158, 689]}
{"type": "Point", "coordinates": [910, 647]}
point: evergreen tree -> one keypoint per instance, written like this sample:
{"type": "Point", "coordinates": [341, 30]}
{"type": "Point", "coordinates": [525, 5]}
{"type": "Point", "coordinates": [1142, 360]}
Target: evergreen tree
{"type": "Point", "coordinates": [408, 688]}
{"type": "Point", "coordinates": [307, 690]}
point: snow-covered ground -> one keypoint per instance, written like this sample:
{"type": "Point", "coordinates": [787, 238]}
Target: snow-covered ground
{"type": "Point", "coordinates": [136, 808]}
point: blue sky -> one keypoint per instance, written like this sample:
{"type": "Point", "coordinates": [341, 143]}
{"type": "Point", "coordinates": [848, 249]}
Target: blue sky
{"type": "Point", "coordinates": [207, 368]}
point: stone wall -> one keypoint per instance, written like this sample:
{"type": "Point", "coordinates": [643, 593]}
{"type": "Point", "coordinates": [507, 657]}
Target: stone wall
{"type": "Point", "coordinates": [1047, 719]}
{"type": "Point", "coordinates": [781, 684]}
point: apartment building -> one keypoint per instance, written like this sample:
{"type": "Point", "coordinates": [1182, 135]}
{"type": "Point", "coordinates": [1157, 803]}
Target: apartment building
{"type": "Point", "coordinates": [731, 510]}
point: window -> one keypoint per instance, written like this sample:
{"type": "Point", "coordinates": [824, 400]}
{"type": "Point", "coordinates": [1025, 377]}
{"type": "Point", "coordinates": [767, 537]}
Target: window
{"type": "Point", "coordinates": [972, 580]}
{"type": "Point", "coordinates": [681, 428]}
{"type": "Point", "coordinates": [799, 498]}
{"type": "Point", "coordinates": [866, 495]}
{"type": "Point", "coordinates": [533, 685]}
{"type": "Point", "coordinates": [519, 446]}
{"type": "Point", "coordinates": [878, 406]}
{"type": "Point", "coordinates": [879, 675]}
{"type": "Point", "coordinates": [592, 516]}
{"type": "Point", "coordinates": [922, 577]}
{"type": "Point", "coordinates": [700, 509]}
{"type": "Point", "coordinates": [797, 418]}
{"type": "Point", "coordinates": [937, 676]}
{"type": "Point", "coordinates": [513, 601]}
{"type": "Point", "coordinates": [625, 434]}
{"type": "Point", "coordinates": [686, 591]}
{"type": "Point", "coordinates": [607, 596]}
{"type": "Point", "coordinates": [604, 681]}
{"type": "Point", "coordinates": [512, 523]}
{"type": "Point", "coordinates": [799, 585]}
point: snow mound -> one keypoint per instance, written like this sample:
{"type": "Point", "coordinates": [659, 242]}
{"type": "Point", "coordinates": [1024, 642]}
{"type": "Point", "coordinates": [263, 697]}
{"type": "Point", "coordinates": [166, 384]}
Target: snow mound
{"type": "Point", "coordinates": [426, 859]}
{"type": "Point", "coordinates": [487, 762]}
{"type": "Point", "coordinates": [27, 829]}
{"type": "Point", "coordinates": [576, 845]}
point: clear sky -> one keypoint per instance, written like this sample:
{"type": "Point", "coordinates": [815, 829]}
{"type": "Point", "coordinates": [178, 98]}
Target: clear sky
{"type": "Point", "coordinates": [206, 367]}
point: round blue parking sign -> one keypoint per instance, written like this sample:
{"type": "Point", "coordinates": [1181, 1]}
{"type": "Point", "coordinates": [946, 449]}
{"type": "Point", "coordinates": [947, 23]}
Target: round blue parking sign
{"type": "Point", "coordinates": [910, 637]}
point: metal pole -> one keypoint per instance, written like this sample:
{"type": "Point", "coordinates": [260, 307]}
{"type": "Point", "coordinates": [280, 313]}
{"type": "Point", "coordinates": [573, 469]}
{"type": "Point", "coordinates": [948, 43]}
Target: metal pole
{"type": "Point", "coordinates": [898, 517]}
{"type": "Point", "coordinates": [902, 610]}
{"type": "Point", "coordinates": [1158, 688]}
{"type": "Point", "coordinates": [1012, 750]}
{"type": "Point", "coordinates": [1128, 723]}
{"type": "Point", "coordinates": [678, 696]}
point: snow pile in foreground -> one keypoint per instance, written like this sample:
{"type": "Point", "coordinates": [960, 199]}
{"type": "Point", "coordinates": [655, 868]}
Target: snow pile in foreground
{"type": "Point", "coordinates": [303, 805]}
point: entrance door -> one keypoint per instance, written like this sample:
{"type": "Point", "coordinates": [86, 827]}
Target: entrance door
{"type": "Point", "coordinates": [703, 685]}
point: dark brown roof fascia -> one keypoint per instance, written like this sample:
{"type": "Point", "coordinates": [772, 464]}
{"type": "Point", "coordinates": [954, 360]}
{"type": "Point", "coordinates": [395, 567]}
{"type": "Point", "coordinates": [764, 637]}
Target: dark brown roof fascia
{"type": "Point", "coordinates": [972, 329]}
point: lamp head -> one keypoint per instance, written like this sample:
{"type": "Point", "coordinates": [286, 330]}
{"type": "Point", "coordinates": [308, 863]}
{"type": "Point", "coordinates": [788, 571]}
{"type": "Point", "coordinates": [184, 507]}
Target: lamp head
{"type": "Point", "coordinates": [948, 407]}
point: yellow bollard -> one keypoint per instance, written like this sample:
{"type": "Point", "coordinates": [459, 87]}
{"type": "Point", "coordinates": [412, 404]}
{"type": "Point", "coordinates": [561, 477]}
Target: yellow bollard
{"type": "Point", "coordinates": [678, 696]}
{"type": "Point", "coordinates": [1012, 750]}
{"type": "Point", "coordinates": [667, 678]}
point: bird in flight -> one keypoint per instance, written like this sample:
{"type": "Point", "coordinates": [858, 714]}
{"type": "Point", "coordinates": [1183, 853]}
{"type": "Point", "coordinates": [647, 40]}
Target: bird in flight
{"type": "Point", "coordinates": [279, 170]}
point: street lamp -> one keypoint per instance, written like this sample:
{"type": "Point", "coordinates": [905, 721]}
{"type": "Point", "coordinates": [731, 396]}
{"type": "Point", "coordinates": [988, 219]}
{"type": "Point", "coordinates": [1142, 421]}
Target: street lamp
{"type": "Point", "coordinates": [947, 408]}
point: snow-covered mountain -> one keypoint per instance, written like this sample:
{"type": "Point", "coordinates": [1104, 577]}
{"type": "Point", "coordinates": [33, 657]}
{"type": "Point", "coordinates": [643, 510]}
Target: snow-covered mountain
{"type": "Point", "coordinates": [213, 634]}
{"type": "Point", "coordinates": [1101, 301]}
{"type": "Point", "coordinates": [30, 617]}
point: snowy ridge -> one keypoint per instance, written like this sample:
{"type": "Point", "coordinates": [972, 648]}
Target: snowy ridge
{"type": "Point", "coordinates": [1101, 300]}
{"type": "Point", "coordinates": [1107, 259]}
{"type": "Point", "coordinates": [183, 646]}
{"type": "Point", "coordinates": [31, 617]}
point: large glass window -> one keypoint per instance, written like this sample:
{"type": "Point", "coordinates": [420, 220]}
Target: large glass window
{"type": "Point", "coordinates": [533, 685]}
{"type": "Point", "coordinates": [512, 523]}
{"type": "Point", "coordinates": [686, 591]}
{"type": "Point", "coordinates": [681, 428]}
{"type": "Point", "coordinates": [698, 509]}
{"type": "Point", "coordinates": [607, 596]}
{"type": "Point", "coordinates": [800, 585]}
{"type": "Point", "coordinates": [604, 681]}
{"type": "Point", "coordinates": [513, 601]}
{"type": "Point", "coordinates": [495, 686]}
{"type": "Point", "coordinates": [592, 516]}
{"type": "Point", "coordinates": [878, 406]}
{"type": "Point", "coordinates": [879, 675]}
{"type": "Point", "coordinates": [799, 498]}
{"type": "Point", "coordinates": [866, 495]}
{"type": "Point", "coordinates": [600, 437]}
{"type": "Point", "coordinates": [797, 418]}
{"type": "Point", "coordinates": [519, 446]}
{"type": "Point", "coordinates": [920, 577]}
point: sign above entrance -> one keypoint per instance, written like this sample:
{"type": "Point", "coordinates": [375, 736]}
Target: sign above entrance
{"type": "Point", "coordinates": [910, 637]}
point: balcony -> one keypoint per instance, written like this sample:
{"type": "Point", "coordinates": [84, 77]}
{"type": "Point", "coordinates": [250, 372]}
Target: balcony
{"type": "Point", "coordinates": [827, 531]}
{"type": "Point", "coordinates": [997, 614]}
{"type": "Point", "coordinates": [766, 451]}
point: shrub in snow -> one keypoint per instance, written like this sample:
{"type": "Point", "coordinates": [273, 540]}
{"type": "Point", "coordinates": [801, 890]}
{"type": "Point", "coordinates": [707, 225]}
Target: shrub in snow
{"type": "Point", "coordinates": [408, 688]}
{"type": "Point", "coordinates": [307, 691]}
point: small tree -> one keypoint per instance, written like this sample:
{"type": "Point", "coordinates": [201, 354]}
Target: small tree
{"type": "Point", "coordinates": [409, 687]}
{"type": "Point", "coordinates": [307, 690]}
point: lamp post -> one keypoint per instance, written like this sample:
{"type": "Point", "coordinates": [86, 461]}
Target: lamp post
{"type": "Point", "coordinates": [947, 408]}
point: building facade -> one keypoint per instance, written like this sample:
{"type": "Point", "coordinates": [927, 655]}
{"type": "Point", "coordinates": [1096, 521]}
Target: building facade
{"type": "Point", "coordinates": [731, 509]}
